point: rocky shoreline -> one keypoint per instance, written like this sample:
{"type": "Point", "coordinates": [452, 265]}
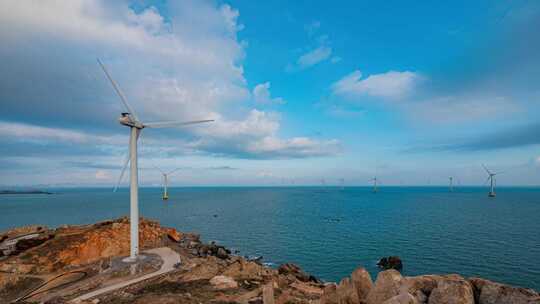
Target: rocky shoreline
{"type": "Point", "coordinates": [41, 265]}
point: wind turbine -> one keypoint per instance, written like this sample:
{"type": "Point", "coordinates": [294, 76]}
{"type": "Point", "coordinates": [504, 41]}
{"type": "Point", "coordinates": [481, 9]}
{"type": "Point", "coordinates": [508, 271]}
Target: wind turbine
{"type": "Point", "coordinates": [451, 183]}
{"type": "Point", "coordinates": [131, 120]}
{"type": "Point", "coordinates": [374, 180]}
{"type": "Point", "coordinates": [166, 181]}
{"type": "Point", "coordinates": [491, 178]}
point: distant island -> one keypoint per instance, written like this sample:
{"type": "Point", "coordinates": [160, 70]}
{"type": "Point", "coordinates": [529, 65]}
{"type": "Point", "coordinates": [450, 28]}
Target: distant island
{"type": "Point", "coordinates": [24, 192]}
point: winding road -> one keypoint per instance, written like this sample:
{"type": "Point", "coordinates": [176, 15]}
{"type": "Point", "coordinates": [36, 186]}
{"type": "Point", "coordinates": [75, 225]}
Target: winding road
{"type": "Point", "coordinates": [170, 259]}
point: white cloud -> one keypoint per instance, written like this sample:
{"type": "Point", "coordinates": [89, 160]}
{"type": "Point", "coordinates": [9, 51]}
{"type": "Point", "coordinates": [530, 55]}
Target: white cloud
{"type": "Point", "coordinates": [185, 67]}
{"type": "Point", "coordinates": [32, 133]}
{"type": "Point", "coordinates": [314, 56]}
{"type": "Point", "coordinates": [391, 85]}
{"type": "Point", "coordinates": [261, 94]}
{"type": "Point", "coordinates": [256, 137]}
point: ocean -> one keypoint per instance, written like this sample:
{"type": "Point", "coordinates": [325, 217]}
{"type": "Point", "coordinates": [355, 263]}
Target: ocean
{"type": "Point", "coordinates": [329, 231]}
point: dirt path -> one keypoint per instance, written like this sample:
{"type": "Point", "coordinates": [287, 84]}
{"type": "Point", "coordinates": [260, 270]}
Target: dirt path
{"type": "Point", "coordinates": [169, 257]}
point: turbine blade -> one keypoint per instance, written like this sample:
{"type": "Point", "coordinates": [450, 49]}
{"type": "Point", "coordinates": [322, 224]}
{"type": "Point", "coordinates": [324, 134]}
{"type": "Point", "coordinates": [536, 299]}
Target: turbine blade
{"type": "Point", "coordinates": [159, 169]}
{"type": "Point", "coordinates": [119, 92]}
{"type": "Point", "coordinates": [171, 172]}
{"type": "Point", "coordinates": [165, 124]}
{"type": "Point", "coordinates": [126, 162]}
{"type": "Point", "coordinates": [488, 172]}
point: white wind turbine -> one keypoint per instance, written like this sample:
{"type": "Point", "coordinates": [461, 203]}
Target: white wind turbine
{"type": "Point", "coordinates": [166, 181]}
{"type": "Point", "coordinates": [491, 178]}
{"type": "Point", "coordinates": [131, 120]}
{"type": "Point", "coordinates": [375, 180]}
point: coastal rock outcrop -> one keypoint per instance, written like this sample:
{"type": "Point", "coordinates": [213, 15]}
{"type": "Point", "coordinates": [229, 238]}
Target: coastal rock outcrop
{"type": "Point", "coordinates": [386, 286]}
{"type": "Point", "coordinates": [297, 272]}
{"type": "Point", "coordinates": [362, 282]}
{"type": "Point", "coordinates": [80, 245]}
{"type": "Point", "coordinates": [391, 262]}
{"type": "Point", "coordinates": [402, 298]}
{"type": "Point", "coordinates": [353, 290]}
{"type": "Point", "coordinates": [452, 289]}
{"type": "Point", "coordinates": [488, 292]}
{"type": "Point", "coordinates": [208, 273]}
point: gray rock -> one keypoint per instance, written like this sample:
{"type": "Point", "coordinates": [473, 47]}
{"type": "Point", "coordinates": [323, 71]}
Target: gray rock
{"type": "Point", "coordinates": [221, 253]}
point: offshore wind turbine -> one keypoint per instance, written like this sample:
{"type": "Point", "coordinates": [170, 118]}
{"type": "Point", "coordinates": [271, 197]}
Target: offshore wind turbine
{"type": "Point", "coordinates": [131, 120]}
{"type": "Point", "coordinates": [165, 176]}
{"type": "Point", "coordinates": [451, 187]}
{"type": "Point", "coordinates": [375, 180]}
{"type": "Point", "coordinates": [491, 178]}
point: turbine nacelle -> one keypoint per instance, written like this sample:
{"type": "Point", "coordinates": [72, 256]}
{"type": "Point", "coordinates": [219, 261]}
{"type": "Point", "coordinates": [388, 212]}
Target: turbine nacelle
{"type": "Point", "coordinates": [127, 120]}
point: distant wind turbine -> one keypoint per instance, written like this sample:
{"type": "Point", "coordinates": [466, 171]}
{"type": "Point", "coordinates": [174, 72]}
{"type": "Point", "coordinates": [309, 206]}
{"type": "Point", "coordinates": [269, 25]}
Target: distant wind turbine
{"type": "Point", "coordinates": [374, 180]}
{"type": "Point", "coordinates": [166, 181]}
{"type": "Point", "coordinates": [493, 182]}
{"type": "Point", "coordinates": [451, 187]}
{"type": "Point", "coordinates": [131, 120]}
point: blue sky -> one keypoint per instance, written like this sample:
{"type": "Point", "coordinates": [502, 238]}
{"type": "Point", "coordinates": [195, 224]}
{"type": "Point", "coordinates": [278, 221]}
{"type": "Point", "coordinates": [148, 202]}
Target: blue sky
{"type": "Point", "coordinates": [300, 91]}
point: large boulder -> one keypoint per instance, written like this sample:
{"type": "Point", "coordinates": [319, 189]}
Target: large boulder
{"type": "Point", "coordinates": [362, 282]}
{"type": "Point", "coordinates": [402, 298]}
{"type": "Point", "coordinates": [386, 286]}
{"type": "Point", "coordinates": [347, 292]}
{"type": "Point", "coordinates": [452, 289]}
{"type": "Point", "coordinates": [420, 287]}
{"type": "Point", "coordinates": [488, 292]}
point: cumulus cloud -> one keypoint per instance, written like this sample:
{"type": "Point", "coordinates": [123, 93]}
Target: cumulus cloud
{"type": "Point", "coordinates": [261, 95]}
{"type": "Point", "coordinates": [186, 66]}
{"type": "Point", "coordinates": [256, 137]}
{"type": "Point", "coordinates": [391, 85]}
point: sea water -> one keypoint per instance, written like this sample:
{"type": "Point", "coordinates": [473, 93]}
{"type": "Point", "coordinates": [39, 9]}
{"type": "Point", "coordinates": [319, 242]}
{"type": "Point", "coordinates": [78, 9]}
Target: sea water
{"type": "Point", "coordinates": [329, 231]}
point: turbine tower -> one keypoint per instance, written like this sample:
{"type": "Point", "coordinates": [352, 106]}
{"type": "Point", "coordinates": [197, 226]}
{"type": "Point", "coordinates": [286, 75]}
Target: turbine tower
{"type": "Point", "coordinates": [166, 181]}
{"type": "Point", "coordinates": [451, 183]}
{"type": "Point", "coordinates": [131, 120]}
{"type": "Point", "coordinates": [491, 178]}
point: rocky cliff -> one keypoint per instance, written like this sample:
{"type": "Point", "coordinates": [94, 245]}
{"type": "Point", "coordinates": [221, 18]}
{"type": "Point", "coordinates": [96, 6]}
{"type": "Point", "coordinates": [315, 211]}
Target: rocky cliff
{"type": "Point", "coordinates": [84, 258]}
